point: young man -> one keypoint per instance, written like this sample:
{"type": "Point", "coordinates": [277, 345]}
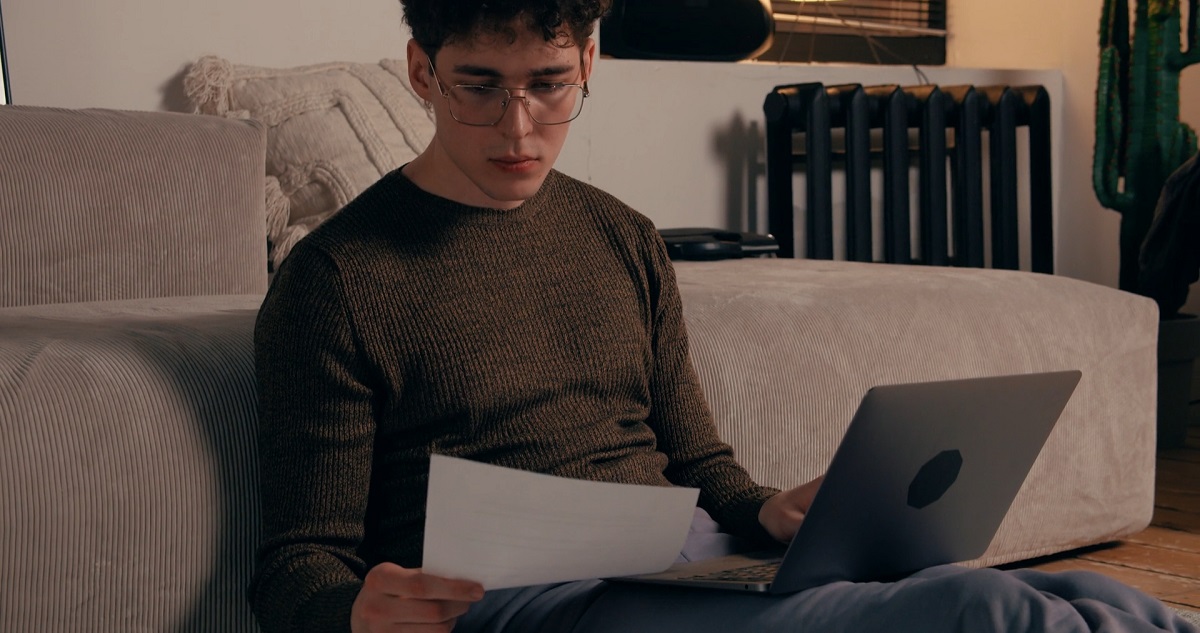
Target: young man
{"type": "Point", "coordinates": [477, 303]}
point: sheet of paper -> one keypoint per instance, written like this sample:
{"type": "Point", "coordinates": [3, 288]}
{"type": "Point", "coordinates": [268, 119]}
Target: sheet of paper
{"type": "Point", "coordinates": [509, 528]}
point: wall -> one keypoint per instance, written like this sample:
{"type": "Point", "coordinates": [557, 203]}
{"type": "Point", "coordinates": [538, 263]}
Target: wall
{"type": "Point", "coordinates": [1061, 34]}
{"type": "Point", "coordinates": [683, 141]}
{"type": "Point", "coordinates": [130, 53]}
{"type": "Point", "coordinates": [674, 139]}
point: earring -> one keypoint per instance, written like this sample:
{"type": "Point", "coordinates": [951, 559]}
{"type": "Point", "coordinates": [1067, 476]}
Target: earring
{"type": "Point", "coordinates": [429, 105]}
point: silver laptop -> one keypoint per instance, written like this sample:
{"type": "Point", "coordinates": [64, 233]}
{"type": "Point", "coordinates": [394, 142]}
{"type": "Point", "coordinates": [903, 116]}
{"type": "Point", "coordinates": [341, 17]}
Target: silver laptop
{"type": "Point", "coordinates": [923, 476]}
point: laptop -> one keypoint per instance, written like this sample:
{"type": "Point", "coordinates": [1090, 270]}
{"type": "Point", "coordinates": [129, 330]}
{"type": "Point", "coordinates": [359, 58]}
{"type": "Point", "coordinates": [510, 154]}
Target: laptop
{"type": "Point", "coordinates": [923, 476]}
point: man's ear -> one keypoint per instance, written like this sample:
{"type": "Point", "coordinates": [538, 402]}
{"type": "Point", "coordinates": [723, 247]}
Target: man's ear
{"type": "Point", "coordinates": [418, 71]}
{"type": "Point", "coordinates": [587, 57]}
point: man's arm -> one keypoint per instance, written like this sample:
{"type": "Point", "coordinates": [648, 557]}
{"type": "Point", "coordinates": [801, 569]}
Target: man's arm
{"type": "Point", "coordinates": [316, 441]}
{"type": "Point", "coordinates": [688, 436]}
{"type": "Point", "coordinates": [682, 421]}
{"type": "Point", "coordinates": [316, 435]}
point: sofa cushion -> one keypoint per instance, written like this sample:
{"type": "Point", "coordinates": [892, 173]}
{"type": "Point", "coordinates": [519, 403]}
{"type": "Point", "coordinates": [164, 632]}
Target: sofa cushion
{"type": "Point", "coordinates": [786, 349]}
{"type": "Point", "coordinates": [128, 475]}
{"type": "Point", "coordinates": [334, 130]}
{"type": "Point", "coordinates": [105, 205]}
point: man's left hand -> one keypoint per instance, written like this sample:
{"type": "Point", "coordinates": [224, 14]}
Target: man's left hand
{"type": "Point", "coordinates": [782, 514]}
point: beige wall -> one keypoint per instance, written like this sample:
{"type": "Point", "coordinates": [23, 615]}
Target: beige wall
{"type": "Point", "coordinates": [670, 138]}
{"type": "Point", "coordinates": [683, 141]}
{"type": "Point", "coordinates": [129, 53]}
{"type": "Point", "coordinates": [1061, 34]}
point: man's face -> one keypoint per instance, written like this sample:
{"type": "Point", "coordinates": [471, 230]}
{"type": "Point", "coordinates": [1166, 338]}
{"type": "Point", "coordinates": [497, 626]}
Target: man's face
{"type": "Point", "coordinates": [497, 166]}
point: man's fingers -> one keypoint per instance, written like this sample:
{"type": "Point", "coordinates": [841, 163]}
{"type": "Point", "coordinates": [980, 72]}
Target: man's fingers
{"type": "Point", "coordinates": [413, 583]}
{"type": "Point", "coordinates": [394, 598]}
{"type": "Point", "coordinates": [804, 494]}
{"type": "Point", "coordinates": [387, 610]}
{"type": "Point", "coordinates": [431, 611]}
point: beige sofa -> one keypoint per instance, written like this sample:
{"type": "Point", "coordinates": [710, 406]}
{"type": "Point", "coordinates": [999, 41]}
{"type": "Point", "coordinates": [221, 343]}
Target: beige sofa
{"type": "Point", "coordinates": [134, 259]}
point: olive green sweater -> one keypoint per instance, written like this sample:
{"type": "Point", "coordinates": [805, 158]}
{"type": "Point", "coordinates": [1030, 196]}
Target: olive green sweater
{"type": "Point", "coordinates": [548, 338]}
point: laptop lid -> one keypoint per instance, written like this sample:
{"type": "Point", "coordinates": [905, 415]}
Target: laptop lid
{"type": "Point", "coordinates": [924, 476]}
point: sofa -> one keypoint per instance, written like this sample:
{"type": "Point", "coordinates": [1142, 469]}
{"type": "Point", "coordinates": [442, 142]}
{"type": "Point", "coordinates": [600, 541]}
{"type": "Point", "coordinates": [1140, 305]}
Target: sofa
{"type": "Point", "coordinates": [134, 257]}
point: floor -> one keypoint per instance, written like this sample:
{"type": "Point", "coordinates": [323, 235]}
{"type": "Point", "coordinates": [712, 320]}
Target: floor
{"type": "Point", "coordinates": [1163, 560]}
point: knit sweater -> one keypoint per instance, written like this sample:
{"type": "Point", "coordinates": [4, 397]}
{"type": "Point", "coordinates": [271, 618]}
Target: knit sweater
{"type": "Point", "coordinates": [548, 338]}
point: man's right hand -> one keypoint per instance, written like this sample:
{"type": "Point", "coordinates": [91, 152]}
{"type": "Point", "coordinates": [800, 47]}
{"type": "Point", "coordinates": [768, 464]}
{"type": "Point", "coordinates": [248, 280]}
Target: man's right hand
{"type": "Point", "coordinates": [394, 598]}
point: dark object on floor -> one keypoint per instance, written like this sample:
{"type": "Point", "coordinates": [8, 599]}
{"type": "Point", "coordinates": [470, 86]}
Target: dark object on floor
{"type": "Point", "coordinates": [707, 244]}
{"type": "Point", "coordinates": [712, 30]}
{"type": "Point", "coordinates": [1169, 261]}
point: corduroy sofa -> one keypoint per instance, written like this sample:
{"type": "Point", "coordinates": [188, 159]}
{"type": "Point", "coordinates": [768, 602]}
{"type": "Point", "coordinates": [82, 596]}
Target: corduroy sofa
{"type": "Point", "coordinates": [133, 259]}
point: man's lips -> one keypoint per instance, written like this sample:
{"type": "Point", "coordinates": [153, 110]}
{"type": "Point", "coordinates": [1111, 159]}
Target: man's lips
{"type": "Point", "coordinates": [515, 163]}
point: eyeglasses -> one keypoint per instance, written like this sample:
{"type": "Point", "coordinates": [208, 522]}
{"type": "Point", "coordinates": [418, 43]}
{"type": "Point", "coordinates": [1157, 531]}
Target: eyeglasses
{"type": "Point", "coordinates": [546, 103]}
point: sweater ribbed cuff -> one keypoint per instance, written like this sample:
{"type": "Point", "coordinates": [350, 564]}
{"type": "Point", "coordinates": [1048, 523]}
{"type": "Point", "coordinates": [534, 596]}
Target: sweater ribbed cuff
{"type": "Point", "coordinates": [741, 517]}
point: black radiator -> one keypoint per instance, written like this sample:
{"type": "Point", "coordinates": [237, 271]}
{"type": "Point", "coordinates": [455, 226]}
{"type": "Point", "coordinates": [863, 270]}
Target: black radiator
{"type": "Point", "coordinates": [949, 124]}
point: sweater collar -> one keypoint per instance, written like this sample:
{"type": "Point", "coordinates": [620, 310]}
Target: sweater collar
{"type": "Point", "coordinates": [435, 204]}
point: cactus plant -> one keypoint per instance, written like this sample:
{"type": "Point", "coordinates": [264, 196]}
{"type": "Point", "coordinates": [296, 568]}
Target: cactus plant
{"type": "Point", "coordinates": [1140, 140]}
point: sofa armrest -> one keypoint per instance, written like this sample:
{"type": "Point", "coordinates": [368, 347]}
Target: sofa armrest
{"type": "Point", "coordinates": [786, 349]}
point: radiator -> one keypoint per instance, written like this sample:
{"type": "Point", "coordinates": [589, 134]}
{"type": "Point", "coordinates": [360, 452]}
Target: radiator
{"type": "Point", "coordinates": [898, 129]}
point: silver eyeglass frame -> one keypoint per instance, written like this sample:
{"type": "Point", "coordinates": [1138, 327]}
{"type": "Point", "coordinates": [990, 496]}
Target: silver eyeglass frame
{"type": "Point", "coordinates": [445, 92]}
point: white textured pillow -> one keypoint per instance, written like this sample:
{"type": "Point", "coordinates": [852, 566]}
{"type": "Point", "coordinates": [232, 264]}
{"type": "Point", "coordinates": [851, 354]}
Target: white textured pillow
{"type": "Point", "coordinates": [333, 130]}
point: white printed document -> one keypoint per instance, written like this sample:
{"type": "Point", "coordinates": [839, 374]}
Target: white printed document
{"type": "Point", "coordinates": [509, 528]}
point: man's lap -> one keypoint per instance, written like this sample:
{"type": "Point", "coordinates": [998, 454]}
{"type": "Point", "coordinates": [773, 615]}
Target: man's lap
{"type": "Point", "coordinates": [948, 598]}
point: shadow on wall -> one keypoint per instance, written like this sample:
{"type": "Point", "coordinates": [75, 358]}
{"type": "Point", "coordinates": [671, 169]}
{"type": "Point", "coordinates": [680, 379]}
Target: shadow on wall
{"type": "Point", "coordinates": [174, 98]}
{"type": "Point", "coordinates": [740, 146]}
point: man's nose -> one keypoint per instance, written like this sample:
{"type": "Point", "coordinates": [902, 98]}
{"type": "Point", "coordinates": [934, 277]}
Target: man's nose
{"type": "Point", "coordinates": [516, 121]}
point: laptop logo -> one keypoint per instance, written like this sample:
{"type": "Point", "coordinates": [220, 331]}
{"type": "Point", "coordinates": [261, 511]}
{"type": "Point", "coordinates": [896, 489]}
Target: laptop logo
{"type": "Point", "coordinates": [934, 479]}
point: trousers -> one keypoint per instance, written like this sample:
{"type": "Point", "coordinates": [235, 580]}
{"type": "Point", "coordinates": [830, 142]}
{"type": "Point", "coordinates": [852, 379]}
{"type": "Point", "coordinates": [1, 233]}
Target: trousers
{"type": "Point", "coordinates": [944, 598]}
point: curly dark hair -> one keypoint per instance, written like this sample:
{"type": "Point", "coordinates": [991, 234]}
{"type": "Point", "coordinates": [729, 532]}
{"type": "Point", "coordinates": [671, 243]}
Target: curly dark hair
{"type": "Point", "coordinates": [435, 23]}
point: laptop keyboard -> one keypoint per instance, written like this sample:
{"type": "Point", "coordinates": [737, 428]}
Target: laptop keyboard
{"type": "Point", "coordinates": [763, 572]}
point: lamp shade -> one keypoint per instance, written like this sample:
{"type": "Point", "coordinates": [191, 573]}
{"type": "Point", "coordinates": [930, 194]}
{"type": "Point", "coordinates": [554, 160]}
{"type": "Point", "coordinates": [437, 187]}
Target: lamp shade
{"type": "Point", "coordinates": [716, 30]}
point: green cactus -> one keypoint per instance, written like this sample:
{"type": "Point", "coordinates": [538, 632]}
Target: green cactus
{"type": "Point", "coordinates": [1139, 138]}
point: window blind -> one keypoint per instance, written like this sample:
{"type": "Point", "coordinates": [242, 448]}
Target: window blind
{"type": "Point", "coordinates": [865, 31]}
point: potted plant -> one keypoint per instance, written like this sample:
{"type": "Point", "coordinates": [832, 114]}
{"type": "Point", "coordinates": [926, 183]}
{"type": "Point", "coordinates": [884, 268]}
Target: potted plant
{"type": "Point", "coordinates": [1145, 168]}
